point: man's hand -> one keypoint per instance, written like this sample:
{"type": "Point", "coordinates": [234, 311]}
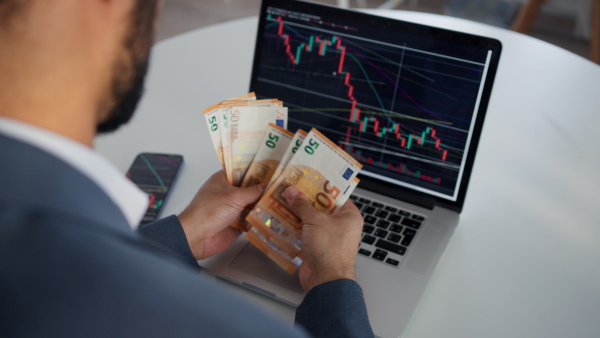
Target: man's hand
{"type": "Point", "coordinates": [216, 205]}
{"type": "Point", "coordinates": [329, 242]}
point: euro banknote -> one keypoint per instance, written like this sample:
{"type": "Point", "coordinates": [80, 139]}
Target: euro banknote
{"type": "Point", "coordinates": [212, 121]}
{"type": "Point", "coordinates": [259, 240]}
{"type": "Point", "coordinates": [265, 162]}
{"type": "Point", "coordinates": [227, 112]}
{"type": "Point", "coordinates": [323, 172]}
{"type": "Point", "coordinates": [272, 251]}
{"type": "Point", "coordinates": [272, 148]}
{"type": "Point", "coordinates": [288, 154]}
{"type": "Point", "coordinates": [247, 127]}
{"type": "Point", "coordinates": [218, 120]}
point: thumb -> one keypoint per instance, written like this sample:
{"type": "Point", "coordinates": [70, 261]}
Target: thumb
{"type": "Point", "coordinates": [298, 203]}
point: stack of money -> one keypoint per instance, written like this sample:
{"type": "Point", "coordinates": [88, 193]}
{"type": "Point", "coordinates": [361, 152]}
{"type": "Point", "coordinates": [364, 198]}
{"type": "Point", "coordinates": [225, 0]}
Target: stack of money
{"type": "Point", "coordinates": [254, 147]}
{"type": "Point", "coordinates": [237, 126]}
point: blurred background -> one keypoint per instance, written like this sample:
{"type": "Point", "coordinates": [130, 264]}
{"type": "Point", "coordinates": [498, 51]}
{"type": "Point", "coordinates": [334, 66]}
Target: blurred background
{"type": "Point", "coordinates": [565, 23]}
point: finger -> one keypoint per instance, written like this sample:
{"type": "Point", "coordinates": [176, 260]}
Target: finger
{"type": "Point", "coordinates": [349, 206]}
{"type": "Point", "coordinates": [251, 195]}
{"type": "Point", "coordinates": [298, 203]}
{"type": "Point", "coordinates": [219, 177]}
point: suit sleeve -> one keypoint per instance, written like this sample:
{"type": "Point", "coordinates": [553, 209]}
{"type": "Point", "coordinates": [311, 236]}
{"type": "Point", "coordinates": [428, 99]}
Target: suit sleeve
{"type": "Point", "coordinates": [335, 309]}
{"type": "Point", "coordinates": [168, 234]}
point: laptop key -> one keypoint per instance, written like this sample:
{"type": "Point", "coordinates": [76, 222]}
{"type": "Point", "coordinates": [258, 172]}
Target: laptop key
{"type": "Point", "coordinates": [368, 229]}
{"type": "Point", "coordinates": [404, 213]}
{"type": "Point", "coordinates": [369, 239]}
{"type": "Point", "coordinates": [359, 205]}
{"type": "Point", "coordinates": [392, 261]}
{"type": "Point", "coordinates": [377, 204]}
{"type": "Point", "coordinates": [379, 255]}
{"type": "Point", "coordinates": [364, 252]}
{"type": "Point", "coordinates": [409, 232]}
{"type": "Point", "coordinates": [395, 248]}
{"type": "Point", "coordinates": [369, 210]}
{"type": "Point", "coordinates": [411, 223]}
{"type": "Point", "coordinates": [418, 218]}
{"type": "Point", "coordinates": [394, 218]}
{"type": "Point", "coordinates": [382, 214]}
{"type": "Point", "coordinates": [409, 235]}
{"type": "Point", "coordinates": [394, 238]}
{"type": "Point", "coordinates": [383, 224]}
{"type": "Point", "coordinates": [396, 228]}
{"type": "Point", "coordinates": [392, 209]}
{"type": "Point", "coordinates": [353, 197]}
{"type": "Point", "coordinates": [381, 233]}
{"type": "Point", "coordinates": [370, 219]}
{"type": "Point", "coordinates": [364, 200]}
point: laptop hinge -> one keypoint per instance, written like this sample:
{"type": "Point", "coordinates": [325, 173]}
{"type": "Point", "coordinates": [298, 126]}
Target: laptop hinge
{"type": "Point", "coordinates": [396, 192]}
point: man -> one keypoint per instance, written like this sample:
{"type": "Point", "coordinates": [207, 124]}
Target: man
{"type": "Point", "coordinates": [69, 263]}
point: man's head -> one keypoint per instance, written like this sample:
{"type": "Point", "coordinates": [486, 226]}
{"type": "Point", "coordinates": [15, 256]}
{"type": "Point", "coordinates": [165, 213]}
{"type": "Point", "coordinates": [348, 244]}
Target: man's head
{"type": "Point", "coordinates": [72, 65]}
{"type": "Point", "coordinates": [131, 66]}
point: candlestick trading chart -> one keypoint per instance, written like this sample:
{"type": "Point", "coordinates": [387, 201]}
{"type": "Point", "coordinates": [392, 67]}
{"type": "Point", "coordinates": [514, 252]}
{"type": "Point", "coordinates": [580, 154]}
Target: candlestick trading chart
{"type": "Point", "coordinates": [154, 174]}
{"type": "Point", "coordinates": [401, 105]}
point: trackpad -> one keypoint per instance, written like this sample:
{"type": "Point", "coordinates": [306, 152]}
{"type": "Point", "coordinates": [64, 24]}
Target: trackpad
{"type": "Point", "coordinates": [253, 262]}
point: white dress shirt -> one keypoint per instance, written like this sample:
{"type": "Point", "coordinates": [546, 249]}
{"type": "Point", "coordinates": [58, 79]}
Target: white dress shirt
{"type": "Point", "coordinates": [132, 201]}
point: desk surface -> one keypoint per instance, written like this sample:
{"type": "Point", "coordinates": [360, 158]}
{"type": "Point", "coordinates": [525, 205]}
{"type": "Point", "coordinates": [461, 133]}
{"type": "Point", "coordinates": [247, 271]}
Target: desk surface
{"type": "Point", "coordinates": [525, 259]}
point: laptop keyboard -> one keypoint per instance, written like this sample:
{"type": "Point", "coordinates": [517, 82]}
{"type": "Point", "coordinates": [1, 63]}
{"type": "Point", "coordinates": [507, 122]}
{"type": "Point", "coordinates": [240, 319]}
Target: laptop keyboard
{"type": "Point", "coordinates": [388, 231]}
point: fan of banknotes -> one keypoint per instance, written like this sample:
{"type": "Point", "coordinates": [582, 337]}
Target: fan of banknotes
{"type": "Point", "coordinates": [253, 145]}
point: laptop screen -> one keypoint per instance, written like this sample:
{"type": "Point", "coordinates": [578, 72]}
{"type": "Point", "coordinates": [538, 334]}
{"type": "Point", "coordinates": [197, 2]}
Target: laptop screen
{"type": "Point", "coordinates": [405, 100]}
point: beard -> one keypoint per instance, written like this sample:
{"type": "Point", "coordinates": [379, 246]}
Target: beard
{"type": "Point", "coordinates": [131, 66]}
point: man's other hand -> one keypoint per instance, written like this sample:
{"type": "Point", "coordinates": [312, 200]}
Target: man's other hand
{"type": "Point", "coordinates": [216, 205]}
{"type": "Point", "coordinates": [329, 242]}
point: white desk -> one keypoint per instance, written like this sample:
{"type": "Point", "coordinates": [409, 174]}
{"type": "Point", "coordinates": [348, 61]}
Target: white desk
{"type": "Point", "coordinates": [525, 259]}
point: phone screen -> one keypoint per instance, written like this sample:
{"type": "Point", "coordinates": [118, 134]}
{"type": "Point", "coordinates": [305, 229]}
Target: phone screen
{"type": "Point", "coordinates": [154, 174]}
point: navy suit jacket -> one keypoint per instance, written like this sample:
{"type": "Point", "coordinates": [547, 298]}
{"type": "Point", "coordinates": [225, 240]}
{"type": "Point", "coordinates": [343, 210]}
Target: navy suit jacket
{"type": "Point", "coordinates": [71, 266]}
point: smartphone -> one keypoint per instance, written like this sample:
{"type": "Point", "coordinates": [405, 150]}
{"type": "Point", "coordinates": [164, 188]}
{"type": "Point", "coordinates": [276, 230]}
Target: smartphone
{"type": "Point", "coordinates": [154, 174]}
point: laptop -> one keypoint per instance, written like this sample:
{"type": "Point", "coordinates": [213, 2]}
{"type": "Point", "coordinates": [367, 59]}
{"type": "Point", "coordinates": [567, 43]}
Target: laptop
{"type": "Point", "coordinates": [407, 101]}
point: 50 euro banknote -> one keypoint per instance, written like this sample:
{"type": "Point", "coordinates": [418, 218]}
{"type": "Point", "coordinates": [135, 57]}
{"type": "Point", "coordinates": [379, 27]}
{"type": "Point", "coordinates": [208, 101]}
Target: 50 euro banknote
{"type": "Point", "coordinates": [224, 116]}
{"type": "Point", "coordinates": [270, 152]}
{"type": "Point", "coordinates": [219, 124]}
{"type": "Point", "coordinates": [247, 126]}
{"type": "Point", "coordinates": [211, 114]}
{"type": "Point", "coordinates": [323, 172]}
{"type": "Point", "coordinates": [289, 152]}
{"type": "Point", "coordinates": [259, 240]}
{"type": "Point", "coordinates": [277, 255]}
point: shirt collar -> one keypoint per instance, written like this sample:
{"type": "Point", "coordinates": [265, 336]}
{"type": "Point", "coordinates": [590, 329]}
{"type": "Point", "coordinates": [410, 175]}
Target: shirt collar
{"type": "Point", "coordinates": [125, 194]}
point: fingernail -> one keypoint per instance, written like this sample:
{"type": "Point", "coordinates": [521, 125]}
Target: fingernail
{"type": "Point", "coordinates": [291, 193]}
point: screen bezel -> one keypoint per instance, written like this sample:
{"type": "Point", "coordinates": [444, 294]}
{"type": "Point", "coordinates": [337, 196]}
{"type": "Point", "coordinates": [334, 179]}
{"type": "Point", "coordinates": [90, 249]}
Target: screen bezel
{"type": "Point", "coordinates": [367, 182]}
